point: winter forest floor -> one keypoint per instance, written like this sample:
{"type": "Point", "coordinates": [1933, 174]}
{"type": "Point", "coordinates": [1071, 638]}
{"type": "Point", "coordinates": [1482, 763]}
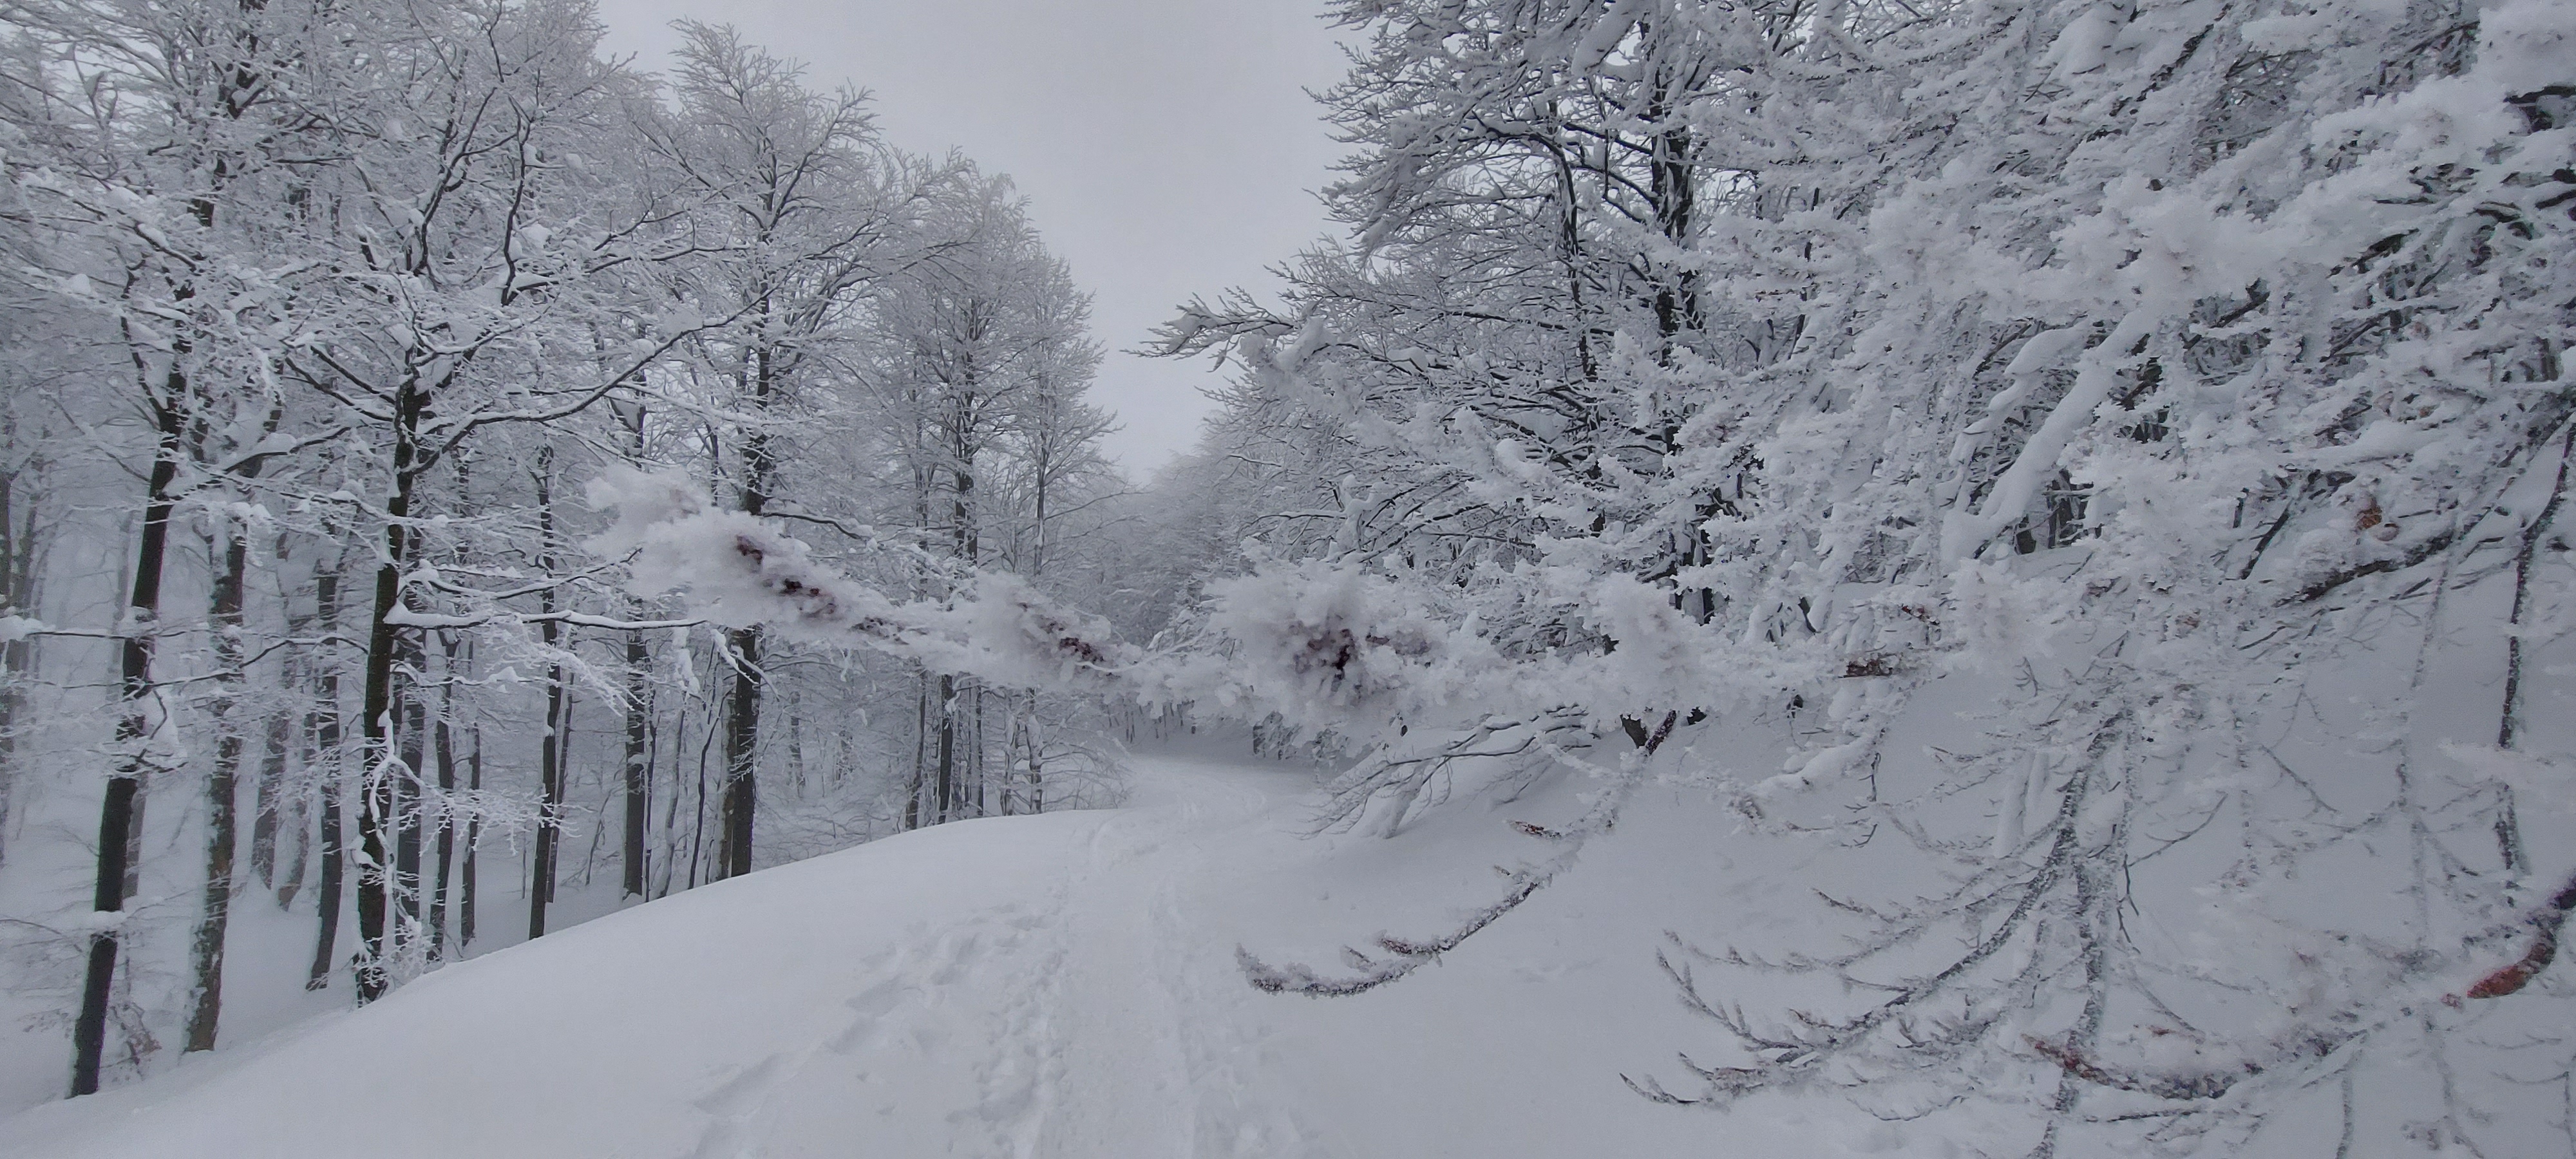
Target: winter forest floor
{"type": "Point", "coordinates": [1062, 985]}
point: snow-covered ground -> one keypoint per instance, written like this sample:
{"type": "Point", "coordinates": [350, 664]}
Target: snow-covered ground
{"type": "Point", "coordinates": [1063, 985]}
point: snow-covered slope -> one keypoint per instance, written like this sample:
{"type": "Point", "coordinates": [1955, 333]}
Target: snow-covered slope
{"type": "Point", "coordinates": [1061, 985]}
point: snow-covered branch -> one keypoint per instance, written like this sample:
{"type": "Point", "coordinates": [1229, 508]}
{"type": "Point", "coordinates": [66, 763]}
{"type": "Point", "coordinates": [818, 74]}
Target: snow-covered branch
{"type": "Point", "coordinates": [741, 571]}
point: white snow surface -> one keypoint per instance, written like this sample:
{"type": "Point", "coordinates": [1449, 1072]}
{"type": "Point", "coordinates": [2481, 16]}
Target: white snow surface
{"type": "Point", "coordinates": [1062, 985]}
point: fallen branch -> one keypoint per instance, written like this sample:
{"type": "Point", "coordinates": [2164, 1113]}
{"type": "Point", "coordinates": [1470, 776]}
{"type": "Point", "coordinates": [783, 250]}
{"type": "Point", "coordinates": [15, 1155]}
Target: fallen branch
{"type": "Point", "coordinates": [2545, 924]}
{"type": "Point", "coordinates": [2316, 1040]}
{"type": "Point", "coordinates": [1405, 955]}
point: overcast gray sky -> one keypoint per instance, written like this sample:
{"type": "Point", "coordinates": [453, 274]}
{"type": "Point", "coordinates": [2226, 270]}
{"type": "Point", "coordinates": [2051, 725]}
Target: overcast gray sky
{"type": "Point", "coordinates": [1167, 147]}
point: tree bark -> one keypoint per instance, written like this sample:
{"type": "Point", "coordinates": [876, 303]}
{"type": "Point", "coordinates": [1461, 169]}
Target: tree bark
{"type": "Point", "coordinates": [473, 844]}
{"type": "Point", "coordinates": [920, 749]}
{"type": "Point", "coordinates": [550, 775]}
{"type": "Point", "coordinates": [639, 701]}
{"type": "Point", "coordinates": [134, 695]}
{"type": "Point", "coordinates": [408, 817]}
{"type": "Point", "coordinates": [550, 805]}
{"type": "Point", "coordinates": [327, 770]}
{"type": "Point", "coordinates": [671, 804]}
{"type": "Point", "coordinates": [742, 749]}
{"type": "Point", "coordinates": [268, 792]}
{"type": "Point", "coordinates": [742, 733]}
{"type": "Point", "coordinates": [947, 779]}
{"type": "Point", "coordinates": [18, 539]}
{"type": "Point", "coordinates": [639, 661]}
{"type": "Point", "coordinates": [269, 807]}
{"type": "Point", "coordinates": [380, 796]}
{"type": "Point", "coordinates": [2508, 827]}
{"type": "Point", "coordinates": [206, 947]}
{"type": "Point", "coordinates": [443, 741]}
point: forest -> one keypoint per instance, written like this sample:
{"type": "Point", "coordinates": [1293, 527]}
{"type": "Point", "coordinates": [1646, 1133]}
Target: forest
{"type": "Point", "coordinates": [2042, 512]}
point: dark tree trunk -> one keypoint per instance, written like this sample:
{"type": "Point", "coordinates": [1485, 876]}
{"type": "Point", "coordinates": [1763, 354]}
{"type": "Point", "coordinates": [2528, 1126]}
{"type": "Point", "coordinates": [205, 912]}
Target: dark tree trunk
{"type": "Point", "coordinates": [206, 947]}
{"type": "Point", "coordinates": [269, 808]}
{"type": "Point", "coordinates": [639, 702]}
{"type": "Point", "coordinates": [473, 843]}
{"type": "Point", "coordinates": [550, 803]}
{"type": "Point", "coordinates": [1677, 291]}
{"type": "Point", "coordinates": [1025, 733]}
{"type": "Point", "coordinates": [268, 798]}
{"type": "Point", "coordinates": [18, 539]}
{"type": "Point", "coordinates": [639, 802]}
{"type": "Point", "coordinates": [285, 809]}
{"type": "Point", "coordinates": [269, 792]}
{"type": "Point", "coordinates": [742, 749]}
{"type": "Point", "coordinates": [698, 819]}
{"type": "Point", "coordinates": [327, 770]}
{"type": "Point", "coordinates": [89, 1031]}
{"type": "Point", "coordinates": [550, 772]}
{"type": "Point", "coordinates": [380, 775]}
{"type": "Point", "coordinates": [408, 817]}
{"type": "Point", "coordinates": [742, 733]}
{"type": "Point", "coordinates": [919, 808]}
{"type": "Point", "coordinates": [443, 740]}
{"type": "Point", "coordinates": [920, 750]}
{"type": "Point", "coordinates": [953, 787]}
{"type": "Point", "coordinates": [121, 812]}
{"type": "Point", "coordinates": [671, 804]}
{"type": "Point", "coordinates": [946, 794]}
{"type": "Point", "coordinates": [2508, 828]}
{"type": "Point", "coordinates": [134, 694]}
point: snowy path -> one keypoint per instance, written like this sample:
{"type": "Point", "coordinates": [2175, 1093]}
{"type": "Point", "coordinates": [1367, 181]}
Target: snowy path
{"type": "Point", "coordinates": [1057, 986]}
{"type": "Point", "coordinates": [1089, 1021]}
{"type": "Point", "coordinates": [1151, 1016]}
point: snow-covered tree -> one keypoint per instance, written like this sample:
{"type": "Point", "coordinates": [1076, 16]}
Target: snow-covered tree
{"type": "Point", "coordinates": [2138, 367]}
{"type": "Point", "coordinates": [802, 208]}
{"type": "Point", "coordinates": [356, 298]}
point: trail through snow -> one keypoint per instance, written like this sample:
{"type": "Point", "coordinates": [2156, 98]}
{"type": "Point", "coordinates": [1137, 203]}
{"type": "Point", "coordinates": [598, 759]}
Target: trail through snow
{"type": "Point", "coordinates": [1055, 986]}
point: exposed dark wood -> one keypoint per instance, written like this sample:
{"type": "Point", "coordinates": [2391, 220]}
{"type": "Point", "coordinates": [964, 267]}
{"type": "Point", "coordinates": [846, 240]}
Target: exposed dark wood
{"type": "Point", "coordinates": [134, 695]}
{"type": "Point", "coordinates": [328, 772]}
{"type": "Point", "coordinates": [550, 772]}
{"type": "Point", "coordinates": [443, 744]}
{"type": "Point", "coordinates": [639, 803]}
{"type": "Point", "coordinates": [206, 945]}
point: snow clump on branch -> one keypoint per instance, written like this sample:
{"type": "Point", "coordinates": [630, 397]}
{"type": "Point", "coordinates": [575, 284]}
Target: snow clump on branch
{"type": "Point", "coordinates": [740, 571]}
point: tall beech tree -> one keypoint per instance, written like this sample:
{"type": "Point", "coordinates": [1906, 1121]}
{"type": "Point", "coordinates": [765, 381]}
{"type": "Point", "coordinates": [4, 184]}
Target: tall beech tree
{"type": "Point", "coordinates": [799, 208]}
